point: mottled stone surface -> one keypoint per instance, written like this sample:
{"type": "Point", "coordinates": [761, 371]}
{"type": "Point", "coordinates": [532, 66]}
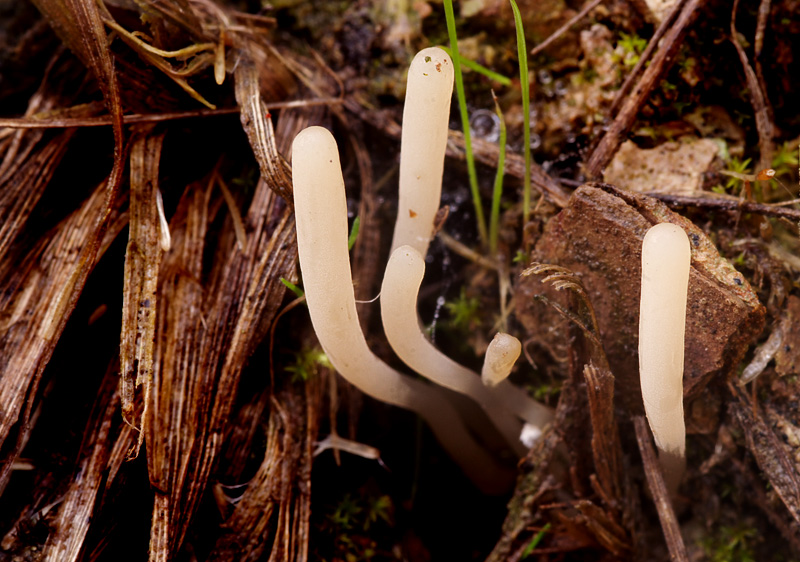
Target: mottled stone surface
{"type": "Point", "coordinates": [599, 236]}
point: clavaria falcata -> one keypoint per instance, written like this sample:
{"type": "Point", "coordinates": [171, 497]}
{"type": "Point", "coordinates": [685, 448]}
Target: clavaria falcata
{"type": "Point", "coordinates": [666, 256]}
{"type": "Point", "coordinates": [321, 216]}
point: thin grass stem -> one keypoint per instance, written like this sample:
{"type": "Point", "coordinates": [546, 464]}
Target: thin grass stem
{"type": "Point", "coordinates": [462, 106]}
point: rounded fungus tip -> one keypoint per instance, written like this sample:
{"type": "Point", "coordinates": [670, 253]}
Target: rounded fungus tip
{"type": "Point", "coordinates": [502, 353]}
{"type": "Point", "coordinates": [666, 258]}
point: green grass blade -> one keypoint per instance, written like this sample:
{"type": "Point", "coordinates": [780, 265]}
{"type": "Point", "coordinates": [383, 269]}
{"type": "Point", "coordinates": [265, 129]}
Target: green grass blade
{"type": "Point", "coordinates": [497, 191]}
{"type": "Point", "coordinates": [293, 288]}
{"type": "Point", "coordinates": [522, 52]}
{"type": "Point", "coordinates": [535, 542]}
{"type": "Point", "coordinates": [479, 68]}
{"type": "Point", "coordinates": [462, 106]}
{"type": "Point", "coordinates": [351, 240]}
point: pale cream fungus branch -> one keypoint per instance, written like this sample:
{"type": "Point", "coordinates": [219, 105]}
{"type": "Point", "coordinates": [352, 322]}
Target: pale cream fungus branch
{"type": "Point", "coordinates": [422, 147]}
{"type": "Point", "coordinates": [321, 217]}
{"type": "Point", "coordinates": [666, 257]}
{"type": "Point", "coordinates": [399, 292]}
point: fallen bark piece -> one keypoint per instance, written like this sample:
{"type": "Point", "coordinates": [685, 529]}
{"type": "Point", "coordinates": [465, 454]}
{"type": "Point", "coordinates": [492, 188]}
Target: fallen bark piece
{"type": "Point", "coordinates": [671, 167]}
{"type": "Point", "coordinates": [599, 236]}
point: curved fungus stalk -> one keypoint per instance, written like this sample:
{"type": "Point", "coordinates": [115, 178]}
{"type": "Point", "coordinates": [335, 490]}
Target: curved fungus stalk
{"type": "Point", "coordinates": [399, 292]}
{"type": "Point", "coordinates": [666, 257]}
{"type": "Point", "coordinates": [321, 216]}
{"type": "Point", "coordinates": [422, 147]}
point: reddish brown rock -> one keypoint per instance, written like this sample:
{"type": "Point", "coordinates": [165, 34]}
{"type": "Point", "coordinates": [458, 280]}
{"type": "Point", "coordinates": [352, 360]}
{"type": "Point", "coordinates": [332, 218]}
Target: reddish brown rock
{"type": "Point", "coordinates": [599, 237]}
{"type": "Point", "coordinates": [787, 358]}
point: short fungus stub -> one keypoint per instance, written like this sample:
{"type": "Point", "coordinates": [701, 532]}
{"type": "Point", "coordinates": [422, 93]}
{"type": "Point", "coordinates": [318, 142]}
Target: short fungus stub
{"type": "Point", "coordinates": [666, 257]}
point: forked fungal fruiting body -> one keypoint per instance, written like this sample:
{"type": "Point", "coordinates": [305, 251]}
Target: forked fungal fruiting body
{"type": "Point", "coordinates": [666, 257]}
{"type": "Point", "coordinates": [399, 293]}
{"type": "Point", "coordinates": [321, 220]}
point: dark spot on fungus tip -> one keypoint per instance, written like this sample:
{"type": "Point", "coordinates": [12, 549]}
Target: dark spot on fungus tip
{"type": "Point", "coordinates": [146, 303]}
{"type": "Point", "coordinates": [738, 281]}
{"type": "Point", "coordinates": [411, 213]}
{"type": "Point", "coordinates": [695, 240]}
{"type": "Point", "coordinates": [438, 67]}
{"type": "Point", "coordinates": [331, 161]}
{"type": "Point", "coordinates": [787, 348]}
{"type": "Point", "coordinates": [427, 59]}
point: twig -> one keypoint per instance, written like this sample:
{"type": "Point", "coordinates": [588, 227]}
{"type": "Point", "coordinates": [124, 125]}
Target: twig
{"type": "Point", "coordinates": [655, 481]}
{"type": "Point", "coordinates": [104, 121]}
{"type": "Point", "coordinates": [651, 77]}
{"type": "Point", "coordinates": [564, 28]}
{"type": "Point", "coordinates": [644, 58]}
{"type": "Point", "coordinates": [758, 98]}
{"type": "Point", "coordinates": [733, 205]}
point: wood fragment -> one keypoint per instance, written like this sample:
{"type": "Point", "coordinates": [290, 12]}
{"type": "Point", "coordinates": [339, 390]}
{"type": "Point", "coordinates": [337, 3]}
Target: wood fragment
{"type": "Point", "coordinates": [768, 450]}
{"type": "Point", "coordinates": [655, 482]}
{"type": "Point", "coordinates": [606, 448]}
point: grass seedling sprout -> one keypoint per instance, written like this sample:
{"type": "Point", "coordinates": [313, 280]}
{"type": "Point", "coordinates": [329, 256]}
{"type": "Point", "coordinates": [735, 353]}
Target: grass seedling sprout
{"type": "Point", "coordinates": [351, 239]}
{"type": "Point", "coordinates": [462, 106]}
{"type": "Point", "coordinates": [497, 192]}
{"type": "Point", "coordinates": [293, 288]}
{"type": "Point", "coordinates": [535, 542]}
{"type": "Point", "coordinates": [522, 52]}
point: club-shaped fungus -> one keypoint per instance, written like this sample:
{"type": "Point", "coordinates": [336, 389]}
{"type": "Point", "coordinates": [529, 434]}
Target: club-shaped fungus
{"type": "Point", "coordinates": [321, 217]}
{"type": "Point", "coordinates": [666, 256]}
{"type": "Point", "coordinates": [424, 139]}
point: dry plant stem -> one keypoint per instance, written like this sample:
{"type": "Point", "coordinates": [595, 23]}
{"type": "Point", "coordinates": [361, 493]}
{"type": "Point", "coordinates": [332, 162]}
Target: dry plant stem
{"type": "Point", "coordinates": [655, 481]}
{"type": "Point", "coordinates": [142, 262]}
{"type": "Point", "coordinates": [651, 77]}
{"type": "Point", "coordinates": [666, 256]}
{"type": "Point", "coordinates": [401, 283]}
{"type": "Point", "coordinates": [758, 98]}
{"type": "Point", "coordinates": [644, 58]}
{"type": "Point", "coordinates": [736, 205]}
{"type": "Point", "coordinates": [105, 121]}
{"type": "Point", "coordinates": [422, 147]}
{"type": "Point", "coordinates": [564, 28]}
{"type": "Point", "coordinates": [321, 215]}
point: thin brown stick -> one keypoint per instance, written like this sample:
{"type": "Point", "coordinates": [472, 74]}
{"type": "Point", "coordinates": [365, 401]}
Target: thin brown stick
{"type": "Point", "coordinates": [658, 488]}
{"type": "Point", "coordinates": [564, 28]}
{"type": "Point", "coordinates": [732, 205]}
{"type": "Point", "coordinates": [644, 58]}
{"type": "Point", "coordinates": [651, 77]}
{"type": "Point", "coordinates": [758, 98]}
{"type": "Point", "coordinates": [104, 121]}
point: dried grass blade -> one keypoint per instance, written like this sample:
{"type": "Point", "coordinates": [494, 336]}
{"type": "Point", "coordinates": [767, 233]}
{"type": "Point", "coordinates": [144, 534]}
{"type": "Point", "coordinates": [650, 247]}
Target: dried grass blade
{"type": "Point", "coordinates": [197, 378]}
{"type": "Point", "coordinates": [44, 278]}
{"type": "Point", "coordinates": [19, 192]}
{"type": "Point", "coordinates": [70, 527]}
{"type": "Point", "coordinates": [142, 262]}
{"type": "Point", "coordinates": [257, 124]}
